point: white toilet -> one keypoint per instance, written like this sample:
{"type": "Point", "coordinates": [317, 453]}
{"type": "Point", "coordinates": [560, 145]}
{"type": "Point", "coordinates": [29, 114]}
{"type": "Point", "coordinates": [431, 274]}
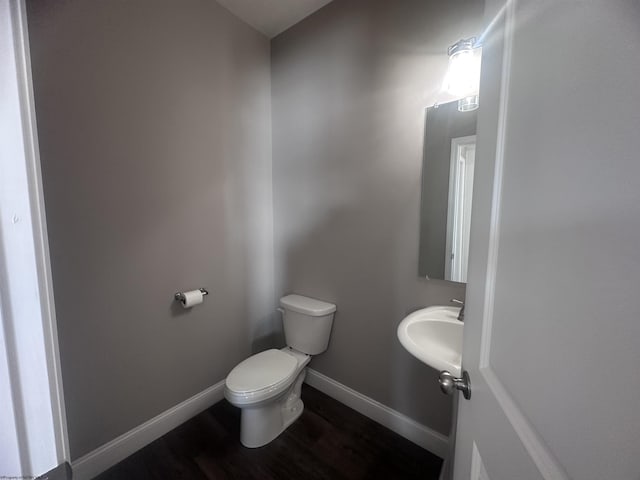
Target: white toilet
{"type": "Point", "coordinates": [266, 386]}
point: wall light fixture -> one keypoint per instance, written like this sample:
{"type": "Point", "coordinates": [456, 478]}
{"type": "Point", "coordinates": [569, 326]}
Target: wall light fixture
{"type": "Point", "coordinates": [463, 76]}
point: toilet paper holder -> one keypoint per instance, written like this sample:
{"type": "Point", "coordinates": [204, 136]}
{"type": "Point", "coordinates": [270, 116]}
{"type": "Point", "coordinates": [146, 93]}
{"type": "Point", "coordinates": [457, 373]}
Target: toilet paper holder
{"type": "Point", "coordinates": [180, 295]}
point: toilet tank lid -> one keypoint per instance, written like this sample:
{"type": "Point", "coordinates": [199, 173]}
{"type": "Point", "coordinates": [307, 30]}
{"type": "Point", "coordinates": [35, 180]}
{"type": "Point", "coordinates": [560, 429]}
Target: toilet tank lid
{"type": "Point", "coordinates": [306, 305]}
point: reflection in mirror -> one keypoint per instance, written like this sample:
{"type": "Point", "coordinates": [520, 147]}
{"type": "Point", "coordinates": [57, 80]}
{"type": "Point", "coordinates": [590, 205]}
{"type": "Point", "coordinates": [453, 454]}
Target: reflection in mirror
{"type": "Point", "coordinates": [463, 154]}
{"type": "Point", "coordinates": [447, 189]}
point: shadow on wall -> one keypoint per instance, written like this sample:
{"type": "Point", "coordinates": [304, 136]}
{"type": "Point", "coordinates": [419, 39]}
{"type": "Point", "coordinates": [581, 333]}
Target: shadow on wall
{"type": "Point", "coordinates": [331, 262]}
{"type": "Point", "coordinates": [349, 88]}
{"type": "Point", "coordinates": [269, 334]}
{"type": "Point", "coordinates": [347, 225]}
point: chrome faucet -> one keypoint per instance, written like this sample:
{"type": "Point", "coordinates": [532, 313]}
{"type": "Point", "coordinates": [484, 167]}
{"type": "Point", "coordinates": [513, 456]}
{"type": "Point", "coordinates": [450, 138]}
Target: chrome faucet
{"type": "Point", "coordinates": [459, 302]}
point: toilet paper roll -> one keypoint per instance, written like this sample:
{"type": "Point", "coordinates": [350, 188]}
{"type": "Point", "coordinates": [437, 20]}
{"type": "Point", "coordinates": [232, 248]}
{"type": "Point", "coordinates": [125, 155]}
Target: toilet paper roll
{"type": "Point", "coordinates": [191, 298]}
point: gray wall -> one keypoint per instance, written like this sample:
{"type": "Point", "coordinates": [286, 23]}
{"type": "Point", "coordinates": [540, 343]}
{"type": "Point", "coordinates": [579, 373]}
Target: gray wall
{"type": "Point", "coordinates": [443, 124]}
{"type": "Point", "coordinates": [154, 128]}
{"type": "Point", "coordinates": [349, 89]}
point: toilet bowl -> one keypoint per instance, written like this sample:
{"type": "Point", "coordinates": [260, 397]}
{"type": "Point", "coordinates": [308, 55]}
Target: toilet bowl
{"type": "Point", "coordinates": [267, 388]}
{"type": "Point", "coordinates": [267, 385]}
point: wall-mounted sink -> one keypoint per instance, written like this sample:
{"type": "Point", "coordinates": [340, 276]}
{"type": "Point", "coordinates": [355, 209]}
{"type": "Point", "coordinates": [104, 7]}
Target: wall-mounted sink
{"type": "Point", "coordinates": [434, 336]}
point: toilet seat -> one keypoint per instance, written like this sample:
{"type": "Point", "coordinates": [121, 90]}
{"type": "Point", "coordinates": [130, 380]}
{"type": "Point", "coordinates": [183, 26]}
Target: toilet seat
{"type": "Point", "coordinates": [261, 377]}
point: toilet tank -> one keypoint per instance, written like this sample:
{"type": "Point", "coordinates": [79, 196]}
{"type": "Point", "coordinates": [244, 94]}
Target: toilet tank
{"type": "Point", "coordinates": [307, 323]}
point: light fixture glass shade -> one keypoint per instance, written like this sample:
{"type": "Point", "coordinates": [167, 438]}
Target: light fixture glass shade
{"type": "Point", "coordinates": [468, 104]}
{"type": "Point", "coordinates": [463, 76]}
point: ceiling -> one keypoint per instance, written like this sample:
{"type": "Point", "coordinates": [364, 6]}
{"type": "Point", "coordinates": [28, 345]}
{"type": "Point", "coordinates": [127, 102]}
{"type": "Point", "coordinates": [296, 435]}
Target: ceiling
{"type": "Point", "coordinates": [272, 17]}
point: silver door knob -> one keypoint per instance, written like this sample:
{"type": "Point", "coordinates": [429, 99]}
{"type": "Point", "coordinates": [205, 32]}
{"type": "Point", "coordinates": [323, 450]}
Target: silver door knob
{"type": "Point", "coordinates": [449, 383]}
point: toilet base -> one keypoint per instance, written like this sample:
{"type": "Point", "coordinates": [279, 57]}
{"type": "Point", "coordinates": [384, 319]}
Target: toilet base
{"type": "Point", "coordinates": [264, 423]}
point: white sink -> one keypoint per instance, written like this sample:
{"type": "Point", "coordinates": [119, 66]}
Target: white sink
{"type": "Point", "coordinates": [434, 336]}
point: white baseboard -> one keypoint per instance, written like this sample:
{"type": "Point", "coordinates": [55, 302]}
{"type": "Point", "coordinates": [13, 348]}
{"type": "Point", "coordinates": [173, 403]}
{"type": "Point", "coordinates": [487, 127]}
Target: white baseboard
{"type": "Point", "coordinates": [104, 457]}
{"type": "Point", "coordinates": [120, 448]}
{"type": "Point", "coordinates": [425, 437]}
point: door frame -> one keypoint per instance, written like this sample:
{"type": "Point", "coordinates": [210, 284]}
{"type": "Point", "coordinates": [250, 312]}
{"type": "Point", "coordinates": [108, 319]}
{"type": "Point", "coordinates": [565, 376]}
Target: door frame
{"type": "Point", "coordinates": [30, 193]}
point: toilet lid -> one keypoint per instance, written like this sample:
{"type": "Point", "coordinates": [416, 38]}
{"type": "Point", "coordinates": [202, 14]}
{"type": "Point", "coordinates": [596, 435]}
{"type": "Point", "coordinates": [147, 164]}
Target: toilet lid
{"type": "Point", "coordinates": [262, 370]}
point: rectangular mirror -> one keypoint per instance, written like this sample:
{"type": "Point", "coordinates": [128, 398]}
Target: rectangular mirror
{"type": "Point", "coordinates": [447, 190]}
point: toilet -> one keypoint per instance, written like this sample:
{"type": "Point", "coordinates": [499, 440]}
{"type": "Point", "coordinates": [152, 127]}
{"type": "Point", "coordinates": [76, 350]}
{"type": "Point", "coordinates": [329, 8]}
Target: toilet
{"type": "Point", "coordinates": [266, 386]}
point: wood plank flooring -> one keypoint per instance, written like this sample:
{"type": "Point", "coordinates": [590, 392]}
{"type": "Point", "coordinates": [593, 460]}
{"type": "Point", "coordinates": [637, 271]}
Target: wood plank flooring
{"type": "Point", "coordinates": [328, 441]}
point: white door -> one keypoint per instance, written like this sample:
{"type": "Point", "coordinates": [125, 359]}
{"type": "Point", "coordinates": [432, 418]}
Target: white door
{"type": "Point", "coordinates": [552, 328]}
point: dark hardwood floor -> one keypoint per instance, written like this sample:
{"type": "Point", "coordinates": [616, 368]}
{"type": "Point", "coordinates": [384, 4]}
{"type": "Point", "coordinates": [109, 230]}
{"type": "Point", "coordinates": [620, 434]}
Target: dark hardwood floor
{"type": "Point", "coordinates": [329, 441]}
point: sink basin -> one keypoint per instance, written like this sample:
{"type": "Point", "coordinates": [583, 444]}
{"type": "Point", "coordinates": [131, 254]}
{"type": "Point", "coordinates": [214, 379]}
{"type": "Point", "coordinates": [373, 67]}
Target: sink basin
{"type": "Point", "coordinates": [434, 336]}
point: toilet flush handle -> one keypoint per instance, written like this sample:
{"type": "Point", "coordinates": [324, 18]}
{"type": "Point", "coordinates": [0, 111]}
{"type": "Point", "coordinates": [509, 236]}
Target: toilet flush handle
{"type": "Point", "coordinates": [281, 310]}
